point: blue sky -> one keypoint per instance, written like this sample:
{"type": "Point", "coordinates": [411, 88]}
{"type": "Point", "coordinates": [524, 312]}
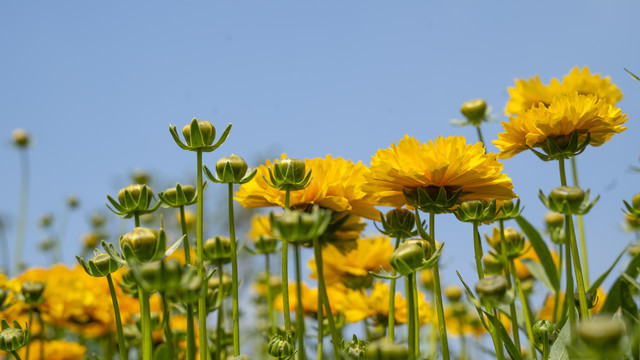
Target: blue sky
{"type": "Point", "coordinates": [98, 83]}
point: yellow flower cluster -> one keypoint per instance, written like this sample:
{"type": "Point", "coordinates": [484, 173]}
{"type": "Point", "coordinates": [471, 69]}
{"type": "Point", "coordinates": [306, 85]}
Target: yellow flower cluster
{"type": "Point", "coordinates": [55, 350]}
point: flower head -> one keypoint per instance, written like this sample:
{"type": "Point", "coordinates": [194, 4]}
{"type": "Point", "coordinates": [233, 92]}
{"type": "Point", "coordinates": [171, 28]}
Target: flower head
{"type": "Point", "coordinates": [582, 82]}
{"type": "Point", "coordinates": [444, 163]}
{"type": "Point", "coordinates": [591, 118]}
{"type": "Point", "coordinates": [528, 93]}
{"type": "Point", "coordinates": [336, 185]}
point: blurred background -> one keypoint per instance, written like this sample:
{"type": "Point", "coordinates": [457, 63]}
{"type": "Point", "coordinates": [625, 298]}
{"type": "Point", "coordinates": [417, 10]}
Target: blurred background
{"type": "Point", "coordinates": [97, 84]}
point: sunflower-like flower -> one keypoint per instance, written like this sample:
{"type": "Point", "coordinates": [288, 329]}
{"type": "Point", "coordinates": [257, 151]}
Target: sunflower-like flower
{"type": "Point", "coordinates": [352, 268]}
{"type": "Point", "coordinates": [585, 114]}
{"type": "Point", "coordinates": [582, 82]}
{"type": "Point", "coordinates": [530, 92]}
{"type": "Point", "coordinates": [336, 185]}
{"type": "Point", "coordinates": [444, 163]}
{"type": "Point", "coordinates": [358, 305]}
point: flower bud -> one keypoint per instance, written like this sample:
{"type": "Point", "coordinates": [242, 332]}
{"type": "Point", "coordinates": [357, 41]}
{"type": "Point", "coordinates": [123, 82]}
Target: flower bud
{"type": "Point", "coordinates": [281, 347]}
{"type": "Point", "coordinates": [46, 220]}
{"type": "Point", "coordinates": [635, 201]}
{"type": "Point", "coordinates": [265, 244]}
{"type": "Point", "coordinates": [385, 349]}
{"type": "Point", "coordinates": [592, 299]}
{"type": "Point", "coordinates": [207, 130]}
{"type": "Point", "coordinates": [601, 333]}
{"type": "Point", "coordinates": [541, 330]}
{"type": "Point", "coordinates": [474, 110]}
{"type": "Point", "coordinates": [399, 223]}
{"type": "Point", "coordinates": [476, 211]}
{"type": "Point", "coordinates": [21, 138]}
{"type": "Point", "coordinates": [97, 220]}
{"type": "Point", "coordinates": [90, 240]}
{"type": "Point", "coordinates": [572, 195]}
{"type": "Point", "coordinates": [632, 221]}
{"type": "Point", "coordinates": [73, 201]}
{"type": "Point", "coordinates": [453, 293]}
{"type": "Point", "coordinates": [407, 258]}
{"type": "Point", "coordinates": [492, 265]}
{"type": "Point", "coordinates": [354, 349]}
{"type": "Point", "coordinates": [493, 287]}
{"type": "Point", "coordinates": [231, 169]}
{"type": "Point", "coordinates": [293, 169]}
{"type": "Point", "coordinates": [424, 245]}
{"type": "Point", "coordinates": [12, 338]}
{"type": "Point", "coordinates": [134, 190]}
{"type": "Point", "coordinates": [217, 250]}
{"type": "Point", "coordinates": [214, 283]}
{"type": "Point", "coordinates": [102, 262]}
{"type": "Point", "coordinates": [299, 226]}
{"type": "Point", "coordinates": [143, 241]}
{"type": "Point", "coordinates": [173, 196]}
{"type": "Point", "coordinates": [32, 292]}
{"type": "Point", "coordinates": [458, 309]}
{"type": "Point", "coordinates": [553, 220]}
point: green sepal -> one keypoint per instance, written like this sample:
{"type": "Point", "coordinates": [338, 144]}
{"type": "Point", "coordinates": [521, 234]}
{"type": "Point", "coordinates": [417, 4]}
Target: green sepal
{"type": "Point", "coordinates": [553, 151]}
{"type": "Point", "coordinates": [181, 198]}
{"type": "Point", "coordinates": [443, 203]}
{"type": "Point", "coordinates": [384, 275]}
{"type": "Point", "coordinates": [92, 269]}
{"type": "Point", "coordinates": [630, 210]}
{"type": "Point", "coordinates": [113, 253]}
{"type": "Point", "coordinates": [196, 138]}
{"type": "Point", "coordinates": [563, 207]}
{"type": "Point", "coordinates": [632, 74]}
{"type": "Point", "coordinates": [228, 177]}
{"type": "Point", "coordinates": [286, 181]}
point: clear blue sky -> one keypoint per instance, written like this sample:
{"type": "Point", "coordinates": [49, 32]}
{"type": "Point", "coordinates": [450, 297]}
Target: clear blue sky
{"type": "Point", "coordinates": [98, 83]}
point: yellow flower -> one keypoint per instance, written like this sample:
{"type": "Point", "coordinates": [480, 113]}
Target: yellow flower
{"type": "Point", "coordinates": [310, 299]}
{"type": "Point", "coordinates": [260, 226]}
{"type": "Point", "coordinates": [546, 312]}
{"type": "Point", "coordinates": [336, 184]}
{"type": "Point", "coordinates": [528, 93]}
{"type": "Point", "coordinates": [530, 253]}
{"type": "Point", "coordinates": [55, 350]}
{"type": "Point", "coordinates": [444, 162]}
{"type": "Point", "coordinates": [358, 306]}
{"type": "Point", "coordinates": [582, 82]}
{"type": "Point", "coordinates": [566, 114]}
{"type": "Point", "coordinates": [352, 268]}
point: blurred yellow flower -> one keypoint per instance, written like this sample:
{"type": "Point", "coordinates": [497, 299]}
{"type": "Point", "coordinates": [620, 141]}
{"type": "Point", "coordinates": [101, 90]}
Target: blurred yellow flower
{"type": "Point", "coordinates": [566, 114]}
{"type": "Point", "coordinates": [55, 350]}
{"type": "Point", "coordinates": [546, 312]}
{"type": "Point", "coordinates": [467, 323]}
{"type": "Point", "coordinates": [530, 253]}
{"type": "Point", "coordinates": [444, 162]}
{"type": "Point", "coordinates": [336, 184]}
{"type": "Point", "coordinates": [260, 226]}
{"type": "Point", "coordinates": [359, 305]}
{"type": "Point", "coordinates": [352, 268]}
{"type": "Point", "coordinates": [310, 299]}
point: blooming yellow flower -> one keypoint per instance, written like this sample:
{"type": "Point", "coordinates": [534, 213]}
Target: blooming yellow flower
{"type": "Point", "coordinates": [582, 82]}
{"type": "Point", "coordinates": [566, 114]}
{"type": "Point", "coordinates": [352, 268]}
{"type": "Point", "coordinates": [260, 226]}
{"type": "Point", "coordinates": [444, 162]}
{"type": "Point", "coordinates": [336, 184]}
{"type": "Point", "coordinates": [310, 299]}
{"type": "Point", "coordinates": [530, 92]}
{"type": "Point", "coordinates": [55, 350]}
{"type": "Point", "coordinates": [358, 305]}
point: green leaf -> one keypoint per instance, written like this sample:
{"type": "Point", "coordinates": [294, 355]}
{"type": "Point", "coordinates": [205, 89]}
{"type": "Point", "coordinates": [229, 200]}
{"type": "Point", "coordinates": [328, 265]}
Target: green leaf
{"type": "Point", "coordinates": [542, 251]}
{"type": "Point", "coordinates": [506, 338]}
{"type": "Point", "coordinates": [614, 296]}
{"type": "Point", "coordinates": [538, 272]}
{"type": "Point", "coordinates": [632, 74]}
{"type": "Point", "coordinates": [598, 282]}
{"type": "Point", "coordinates": [559, 347]}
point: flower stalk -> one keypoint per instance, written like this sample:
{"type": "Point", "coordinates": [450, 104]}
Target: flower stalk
{"type": "Point", "coordinates": [116, 309]}
{"type": "Point", "coordinates": [335, 337]}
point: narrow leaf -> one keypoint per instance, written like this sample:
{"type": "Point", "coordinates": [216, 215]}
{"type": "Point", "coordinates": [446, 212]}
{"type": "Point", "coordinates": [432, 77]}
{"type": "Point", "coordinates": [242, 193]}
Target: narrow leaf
{"type": "Point", "coordinates": [542, 251]}
{"type": "Point", "coordinates": [559, 347]}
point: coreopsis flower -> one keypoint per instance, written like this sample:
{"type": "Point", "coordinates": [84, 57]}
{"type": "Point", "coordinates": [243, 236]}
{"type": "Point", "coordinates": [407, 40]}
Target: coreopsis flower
{"type": "Point", "coordinates": [358, 305]}
{"type": "Point", "coordinates": [582, 82]}
{"type": "Point", "coordinates": [528, 93]}
{"type": "Point", "coordinates": [336, 185]}
{"type": "Point", "coordinates": [465, 322]}
{"type": "Point", "coordinates": [587, 115]}
{"type": "Point", "coordinates": [444, 163]}
{"type": "Point", "coordinates": [310, 299]}
{"type": "Point", "coordinates": [352, 268]}
{"type": "Point", "coordinates": [56, 350]}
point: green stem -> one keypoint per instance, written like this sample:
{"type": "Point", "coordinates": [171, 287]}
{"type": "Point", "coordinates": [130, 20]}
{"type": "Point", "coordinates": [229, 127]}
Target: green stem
{"type": "Point", "coordinates": [546, 348]}
{"type": "Point", "coordinates": [392, 299]}
{"type": "Point", "coordinates": [507, 275]}
{"type": "Point", "coordinates": [167, 326]}
{"type": "Point", "coordinates": [191, 338]}
{"type": "Point", "coordinates": [442, 327]}
{"type": "Point", "coordinates": [335, 337]}
{"type": "Point", "coordinates": [267, 270]}
{"type": "Point", "coordinates": [285, 273]}
{"type": "Point", "coordinates": [463, 340]}
{"type": "Point", "coordinates": [480, 135]}
{"type": "Point", "coordinates": [583, 242]}
{"type": "Point", "coordinates": [29, 327]}
{"type": "Point", "coordinates": [15, 355]}
{"type": "Point", "coordinates": [299, 309]}
{"type": "Point", "coordinates": [556, 307]}
{"type": "Point", "coordinates": [136, 219]}
{"type": "Point", "coordinates": [145, 313]}
{"type": "Point", "coordinates": [477, 245]}
{"type": "Point", "coordinates": [411, 308]}
{"type": "Point", "coordinates": [116, 310]}
{"type": "Point", "coordinates": [569, 302]}
{"type": "Point", "coordinates": [22, 218]}
{"type": "Point", "coordinates": [320, 317]}
{"type": "Point", "coordinates": [416, 315]}
{"type": "Point", "coordinates": [42, 336]}
{"type": "Point", "coordinates": [202, 301]}
{"type": "Point", "coordinates": [234, 276]}
{"type": "Point", "coordinates": [219, 325]}
{"type": "Point", "coordinates": [525, 307]}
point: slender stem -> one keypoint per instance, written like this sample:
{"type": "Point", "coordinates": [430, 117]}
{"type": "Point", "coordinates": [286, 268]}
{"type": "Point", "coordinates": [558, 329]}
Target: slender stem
{"type": "Point", "coordinates": [556, 306]}
{"type": "Point", "coordinates": [22, 218]}
{"type": "Point", "coordinates": [583, 242]}
{"type": "Point", "coordinates": [480, 135]}
{"type": "Point", "coordinates": [15, 355]}
{"type": "Point", "coordinates": [433, 334]}
{"type": "Point", "coordinates": [116, 310]}
{"type": "Point", "coordinates": [202, 304]}
{"type": "Point", "coordinates": [463, 340]}
{"type": "Point", "coordinates": [392, 299]}
{"type": "Point", "coordinates": [411, 308]}
{"type": "Point", "coordinates": [234, 276]}
{"type": "Point", "coordinates": [416, 315]}
{"type": "Point", "coordinates": [299, 309]}
{"type": "Point", "coordinates": [507, 275]}
{"type": "Point", "coordinates": [219, 325]}
{"type": "Point", "coordinates": [477, 245]}
{"type": "Point", "coordinates": [167, 326]}
{"type": "Point", "coordinates": [442, 327]}
{"type": "Point", "coordinates": [525, 307]}
{"type": "Point", "coordinates": [191, 337]}
{"type": "Point", "coordinates": [568, 295]}
{"type": "Point", "coordinates": [320, 317]}
{"type": "Point", "coordinates": [29, 327]}
{"type": "Point", "coordinates": [335, 337]}
{"type": "Point", "coordinates": [145, 313]}
{"type": "Point", "coordinates": [285, 273]}
{"type": "Point", "coordinates": [42, 336]}
{"type": "Point", "coordinates": [546, 348]}
{"type": "Point", "coordinates": [136, 219]}
{"type": "Point", "coordinates": [267, 270]}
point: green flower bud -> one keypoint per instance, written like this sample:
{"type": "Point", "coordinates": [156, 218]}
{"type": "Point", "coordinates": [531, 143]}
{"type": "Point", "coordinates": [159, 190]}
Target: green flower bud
{"type": "Point", "coordinates": [73, 201]}
{"type": "Point", "coordinates": [101, 264]}
{"type": "Point", "coordinates": [235, 164]}
{"type": "Point", "coordinates": [97, 220]}
{"type": "Point", "coordinates": [592, 299]}
{"type": "Point", "coordinates": [134, 199]}
{"type": "Point", "coordinates": [289, 174]}
{"type": "Point", "coordinates": [601, 333]}
{"type": "Point", "coordinates": [135, 191]}
{"type": "Point", "coordinates": [385, 349]}
{"type": "Point", "coordinates": [179, 195]}
{"type": "Point", "coordinates": [45, 220]}
{"type": "Point", "coordinates": [214, 283]}
{"type": "Point", "coordinates": [32, 293]}
{"type": "Point", "coordinates": [492, 265]}
{"type": "Point", "coordinates": [281, 347]}
{"type": "Point", "coordinates": [453, 293]}
{"type": "Point", "coordinates": [354, 349]}
{"type": "Point", "coordinates": [492, 288]}
{"type": "Point", "coordinates": [407, 258]}
{"type": "Point", "coordinates": [398, 223]}
{"type": "Point", "coordinates": [573, 195]}
{"type": "Point", "coordinates": [266, 244]}
{"type": "Point", "coordinates": [217, 250]}
{"type": "Point", "coordinates": [207, 130]}
{"type": "Point", "coordinates": [424, 245]}
{"type": "Point", "coordinates": [476, 211]}
{"type": "Point", "coordinates": [140, 176]}
{"type": "Point", "coordinates": [90, 240]}
{"type": "Point", "coordinates": [458, 310]}
{"type": "Point", "coordinates": [542, 329]}
{"type": "Point", "coordinates": [299, 226]}
{"type": "Point", "coordinates": [635, 201]}
{"type": "Point", "coordinates": [293, 169]}
{"type": "Point", "coordinates": [632, 221]}
{"type": "Point", "coordinates": [433, 198]}
{"type": "Point", "coordinates": [475, 111]}
{"type": "Point", "coordinates": [161, 275]}
{"type": "Point", "coordinates": [21, 138]}
{"type": "Point", "coordinates": [143, 241]}
{"type": "Point", "coordinates": [553, 220]}
{"type": "Point", "coordinates": [12, 338]}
